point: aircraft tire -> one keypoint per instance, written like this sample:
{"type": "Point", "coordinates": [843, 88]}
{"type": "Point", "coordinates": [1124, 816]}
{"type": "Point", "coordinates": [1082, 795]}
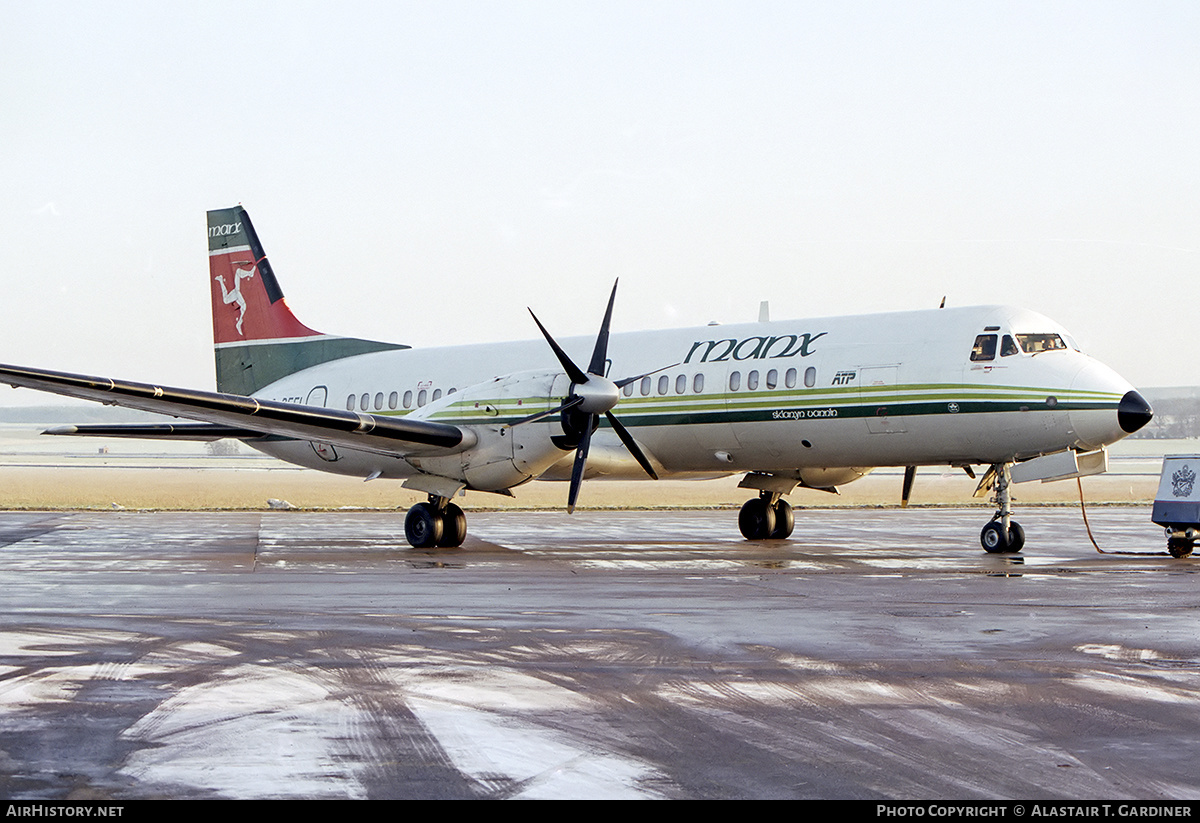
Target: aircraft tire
{"type": "Point", "coordinates": [454, 527]}
{"type": "Point", "coordinates": [1016, 537]}
{"type": "Point", "coordinates": [785, 520]}
{"type": "Point", "coordinates": [756, 520]}
{"type": "Point", "coordinates": [423, 526]}
{"type": "Point", "coordinates": [995, 541]}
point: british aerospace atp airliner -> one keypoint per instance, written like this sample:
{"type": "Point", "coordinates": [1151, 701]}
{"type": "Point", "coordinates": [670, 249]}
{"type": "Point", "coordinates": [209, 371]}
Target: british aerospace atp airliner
{"type": "Point", "coordinates": [813, 403]}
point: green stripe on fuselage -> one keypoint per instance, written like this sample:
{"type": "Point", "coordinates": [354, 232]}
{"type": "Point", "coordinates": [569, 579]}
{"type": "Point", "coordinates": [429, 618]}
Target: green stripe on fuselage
{"type": "Point", "coordinates": [773, 405]}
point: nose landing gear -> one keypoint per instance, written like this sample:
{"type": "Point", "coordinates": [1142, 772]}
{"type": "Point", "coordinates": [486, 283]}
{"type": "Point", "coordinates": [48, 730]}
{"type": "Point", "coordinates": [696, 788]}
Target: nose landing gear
{"type": "Point", "coordinates": [1002, 535]}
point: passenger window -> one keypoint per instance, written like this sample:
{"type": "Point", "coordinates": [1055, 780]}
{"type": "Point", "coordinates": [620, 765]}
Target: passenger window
{"type": "Point", "coordinates": [393, 400]}
{"type": "Point", "coordinates": [810, 376]}
{"type": "Point", "coordinates": [752, 381]}
{"type": "Point", "coordinates": [1008, 346]}
{"type": "Point", "coordinates": [422, 395]}
{"type": "Point", "coordinates": [364, 402]}
{"type": "Point", "coordinates": [698, 383]}
{"type": "Point", "coordinates": [772, 379]}
{"type": "Point", "coordinates": [350, 403]}
{"type": "Point", "coordinates": [681, 384]}
{"type": "Point", "coordinates": [627, 390]}
{"type": "Point", "coordinates": [664, 383]}
{"type": "Point", "coordinates": [437, 394]}
{"type": "Point", "coordinates": [645, 387]}
{"type": "Point", "coordinates": [984, 348]}
{"type": "Point", "coordinates": [408, 399]}
{"type": "Point", "coordinates": [789, 379]}
{"type": "Point", "coordinates": [378, 401]}
{"type": "Point", "coordinates": [735, 380]}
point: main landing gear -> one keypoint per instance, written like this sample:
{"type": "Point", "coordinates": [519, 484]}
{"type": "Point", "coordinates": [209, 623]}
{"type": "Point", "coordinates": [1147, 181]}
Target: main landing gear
{"type": "Point", "coordinates": [766, 517]}
{"type": "Point", "coordinates": [1002, 535]}
{"type": "Point", "coordinates": [437, 523]}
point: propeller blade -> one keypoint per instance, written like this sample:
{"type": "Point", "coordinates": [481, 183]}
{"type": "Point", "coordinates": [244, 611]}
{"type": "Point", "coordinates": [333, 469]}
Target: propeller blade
{"type": "Point", "coordinates": [573, 371]}
{"type": "Point", "coordinates": [910, 474]}
{"type": "Point", "coordinates": [628, 440]}
{"type": "Point", "coordinates": [600, 353]}
{"type": "Point", "coordinates": [581, 453]}
{"type": "Point", "coordinates": [600, 396]}
{"type": "Point", "coordinates": [620, 384]}
{"type": "Point", "coordinates": [571, 403]}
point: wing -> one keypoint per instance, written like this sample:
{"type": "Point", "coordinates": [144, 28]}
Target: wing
{"type": "Point", "coordinates": [202, 432]}
{"type": "Point", "coordinates": [250, 416]}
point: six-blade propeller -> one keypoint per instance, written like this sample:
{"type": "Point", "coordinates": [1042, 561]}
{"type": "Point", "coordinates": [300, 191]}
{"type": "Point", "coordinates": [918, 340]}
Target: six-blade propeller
{"type": "Point", "coordinates": [591, 395]}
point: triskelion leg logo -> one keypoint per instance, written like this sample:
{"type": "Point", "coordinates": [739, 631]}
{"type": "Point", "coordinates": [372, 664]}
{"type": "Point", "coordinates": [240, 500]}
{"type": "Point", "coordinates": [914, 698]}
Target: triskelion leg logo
{"type": "Point", "coordinates": [234, 295]}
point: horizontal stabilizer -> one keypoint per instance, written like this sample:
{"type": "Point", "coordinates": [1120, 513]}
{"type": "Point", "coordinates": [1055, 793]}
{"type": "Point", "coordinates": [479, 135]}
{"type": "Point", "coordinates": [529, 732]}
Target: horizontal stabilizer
{"type": "Point", "coordinates": [367, 432]}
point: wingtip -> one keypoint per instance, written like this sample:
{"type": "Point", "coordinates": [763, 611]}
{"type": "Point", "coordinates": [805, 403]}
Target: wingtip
{"type": "Point", "coordinates": [61, 430]}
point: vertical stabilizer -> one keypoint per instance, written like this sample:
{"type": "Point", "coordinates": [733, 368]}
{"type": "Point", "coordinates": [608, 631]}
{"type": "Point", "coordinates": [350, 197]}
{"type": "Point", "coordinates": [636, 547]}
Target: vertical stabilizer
{"type": "Point", "coordinates": [257, 338]}
{"type": "Point", "coordinates": [247, 301]}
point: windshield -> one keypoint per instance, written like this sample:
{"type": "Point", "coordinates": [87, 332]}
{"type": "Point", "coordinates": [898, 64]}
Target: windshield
{"type": "Point", "coordinates": [984, 348]}
{"type": "Point", "coordinates": [1036, 343]}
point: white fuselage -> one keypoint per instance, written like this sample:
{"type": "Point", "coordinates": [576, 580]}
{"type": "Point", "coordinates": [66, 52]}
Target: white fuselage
{"type": "Point", "coordinates": [815, 399]}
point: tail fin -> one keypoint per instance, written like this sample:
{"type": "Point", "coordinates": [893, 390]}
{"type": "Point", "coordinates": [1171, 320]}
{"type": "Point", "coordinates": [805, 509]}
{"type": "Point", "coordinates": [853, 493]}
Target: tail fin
{"type": "Point", "coordinates": [257, 339]}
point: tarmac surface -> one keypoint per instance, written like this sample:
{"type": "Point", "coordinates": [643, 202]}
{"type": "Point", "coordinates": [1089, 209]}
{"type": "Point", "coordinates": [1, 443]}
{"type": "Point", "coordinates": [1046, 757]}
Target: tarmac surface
{"type": "Point", "coordinates": [876, 654]}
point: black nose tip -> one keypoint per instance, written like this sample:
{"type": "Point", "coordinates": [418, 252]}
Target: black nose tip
{"type": "Point", "coordinates": [1133, 412]}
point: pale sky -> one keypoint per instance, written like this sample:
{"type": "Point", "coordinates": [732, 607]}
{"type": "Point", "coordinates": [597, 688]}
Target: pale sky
{"type": "Point", "coordinates": [420, 172]}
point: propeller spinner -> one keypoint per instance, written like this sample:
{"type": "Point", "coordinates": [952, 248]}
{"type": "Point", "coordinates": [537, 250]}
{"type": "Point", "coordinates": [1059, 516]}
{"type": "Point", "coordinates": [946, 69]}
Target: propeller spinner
{"type": "Point", "coordinates": [591, 395]}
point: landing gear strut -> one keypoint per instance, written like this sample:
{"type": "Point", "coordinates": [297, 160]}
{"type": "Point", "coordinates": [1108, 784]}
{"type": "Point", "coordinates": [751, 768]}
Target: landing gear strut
{"type": "Point", "coordinates": [1002, 535]}
{"type": "Point", "coordinates": [766, 517]}
{"type": "Point", "coordinates": [436, 523]}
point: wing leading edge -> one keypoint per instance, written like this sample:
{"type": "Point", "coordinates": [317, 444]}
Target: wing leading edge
{"type": "Point", "coordinates": [249, 416]}
{"type": "Point", "coordinates": [202, 432]}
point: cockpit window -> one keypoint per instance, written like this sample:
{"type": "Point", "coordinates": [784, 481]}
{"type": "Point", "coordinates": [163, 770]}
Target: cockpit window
{"type": "Point", "coordinates": [1008, 346]}
{"type": "Point", "coordinates": [984, 348]}
{"type": "Point", "coordinates": [1036, 343]}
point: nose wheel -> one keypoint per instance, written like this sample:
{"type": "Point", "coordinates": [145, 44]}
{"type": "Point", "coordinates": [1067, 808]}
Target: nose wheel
{"type": "Point", "coordinates": [1002, 535]}
{"type": "Point", "coordinates": [996, 540]}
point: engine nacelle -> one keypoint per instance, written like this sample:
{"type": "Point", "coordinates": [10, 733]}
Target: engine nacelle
{"type": "Point", "coordinates": [504, 455]}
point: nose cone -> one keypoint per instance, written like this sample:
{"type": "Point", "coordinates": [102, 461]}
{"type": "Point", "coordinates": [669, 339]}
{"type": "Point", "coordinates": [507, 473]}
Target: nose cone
{"type": "Point", "coordinates": [1133, 412]}
{"type": "Point", "coordinates": [1098, 426]}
